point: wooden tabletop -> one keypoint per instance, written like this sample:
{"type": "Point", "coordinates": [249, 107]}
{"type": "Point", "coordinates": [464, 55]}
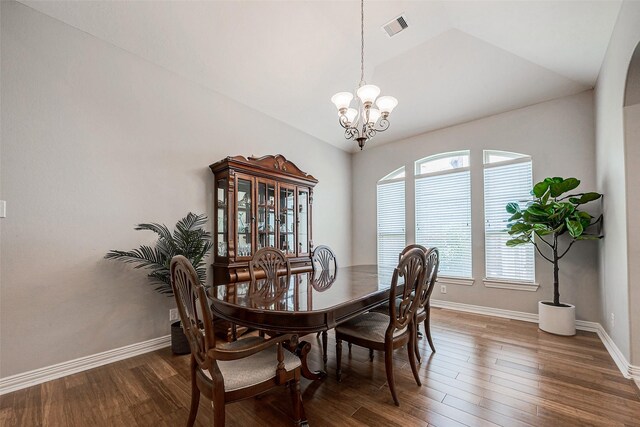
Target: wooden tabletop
{"type": "Point", "coordinates": [306, 303]}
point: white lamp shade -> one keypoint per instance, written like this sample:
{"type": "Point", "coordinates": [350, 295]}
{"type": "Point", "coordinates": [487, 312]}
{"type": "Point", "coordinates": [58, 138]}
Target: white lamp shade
{"type": "Point", "coordinates": [351, 114]}
{"type": "Point", "coordinates": [342, 99]}
{"type": "Point", "coordinates": [368, 93]}
{"type": "Point", "coordinates": [386, 104]}
{"type": "Point", "coordinates": [374, 115]}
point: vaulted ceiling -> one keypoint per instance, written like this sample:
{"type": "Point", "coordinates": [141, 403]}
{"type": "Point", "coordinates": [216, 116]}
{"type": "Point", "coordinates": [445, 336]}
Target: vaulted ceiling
{"type": "Point", "coordinates": [457, 61]}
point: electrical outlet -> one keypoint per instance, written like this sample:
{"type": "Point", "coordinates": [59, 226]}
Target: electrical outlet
{"type": "Point", "coordinates": [613, 320]}
{"type": "Point", "coordinates": [173, 315]}
{"type": "Point", "coordinates": [443, 289]}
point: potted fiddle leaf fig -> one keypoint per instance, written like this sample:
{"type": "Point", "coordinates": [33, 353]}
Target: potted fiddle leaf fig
{"type": "Point", "coordinates": [189, 239]}
{"type": "Point", "coordinates": [553, 222]}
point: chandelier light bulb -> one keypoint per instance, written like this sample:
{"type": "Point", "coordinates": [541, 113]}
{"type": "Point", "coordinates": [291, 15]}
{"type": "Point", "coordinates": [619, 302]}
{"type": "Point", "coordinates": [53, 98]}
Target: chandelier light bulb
{"type": "Point", "coordinates": [368, 94]}
{"type": "Point", "coordinates": [342, 100]}
{"type": "Point", "coordinates": [374, 115]}
{"type": "Point", "coordinates": [351, 115]}
{"type": "Point", "coordinates": [386, 104]}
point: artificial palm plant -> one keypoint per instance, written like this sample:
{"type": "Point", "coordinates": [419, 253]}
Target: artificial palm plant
{"type": "Point", "coordinates": [189, 239]}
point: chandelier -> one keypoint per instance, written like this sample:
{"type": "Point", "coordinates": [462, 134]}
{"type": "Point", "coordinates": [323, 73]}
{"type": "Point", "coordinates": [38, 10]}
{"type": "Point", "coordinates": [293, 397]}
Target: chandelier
{"type": "Point", "coordinates": [363, 121]}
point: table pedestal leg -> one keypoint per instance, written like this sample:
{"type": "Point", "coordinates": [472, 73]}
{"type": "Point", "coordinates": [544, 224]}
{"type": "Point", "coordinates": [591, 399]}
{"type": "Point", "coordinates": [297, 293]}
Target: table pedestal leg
{"type": "Point", "coordinates": [302, 350]}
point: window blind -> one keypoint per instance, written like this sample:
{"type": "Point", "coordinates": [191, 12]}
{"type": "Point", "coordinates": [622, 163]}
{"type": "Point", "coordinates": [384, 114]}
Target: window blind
{"type": "Point", "coordinates": [391, 223]}
{"type": "Point", "coordinates": [504, 184]}
{"type": "Point", "coordinates": [443, 219]}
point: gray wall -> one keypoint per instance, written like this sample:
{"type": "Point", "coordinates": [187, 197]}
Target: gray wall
{"type": "Point", "coordinates": [557, 134]}
{"type": "Point", "coordinates": [612, 179]}
{"type": "Point", "coordinates": [94, 141]}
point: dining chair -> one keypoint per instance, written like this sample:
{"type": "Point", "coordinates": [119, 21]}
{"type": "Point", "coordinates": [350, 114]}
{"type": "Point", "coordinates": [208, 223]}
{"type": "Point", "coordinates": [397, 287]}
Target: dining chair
{"type": "Point", "coordinates": [269, 263]}
{"type": "Point", "coordinates": [423, 311]}
{"type": "Point", "coordinates": [325, 268]}
{"type": "Point", "coordinates": [232, 371]}
{"type": "Point", "coordinates": [382, 332]}
{"type": "Point", "coordinates": [270, 273]}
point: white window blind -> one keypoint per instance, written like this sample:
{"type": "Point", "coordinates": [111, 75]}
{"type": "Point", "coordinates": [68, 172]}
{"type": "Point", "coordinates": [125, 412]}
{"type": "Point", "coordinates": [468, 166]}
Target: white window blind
{"type": "Point", "coordinates": [443, 219]}
{"type": "Point", "coordinates": [391, 223]}
{"type": "Point", "coordinates": [504, 183]}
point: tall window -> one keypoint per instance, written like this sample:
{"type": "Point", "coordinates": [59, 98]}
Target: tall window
{"type": "Point", "coordinates": [391, 218]}
{"type": "Point", "coordinates": [507, 178]}
{"type": "Point", "coordinates": [443, 210]}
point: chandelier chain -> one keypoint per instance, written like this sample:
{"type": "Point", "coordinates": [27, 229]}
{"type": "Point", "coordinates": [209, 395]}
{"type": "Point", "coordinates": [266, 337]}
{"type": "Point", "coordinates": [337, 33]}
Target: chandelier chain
{"type": "Point", "coordinates": [362, 42]}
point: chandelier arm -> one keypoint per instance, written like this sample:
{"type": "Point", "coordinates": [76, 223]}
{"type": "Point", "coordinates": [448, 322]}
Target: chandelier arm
{"type": "Point", "coordinates": [342, 119]}
{"type": "Point", "coordinates": [382, 125]}
{"type": "Point", "coordinates": [351, 133]}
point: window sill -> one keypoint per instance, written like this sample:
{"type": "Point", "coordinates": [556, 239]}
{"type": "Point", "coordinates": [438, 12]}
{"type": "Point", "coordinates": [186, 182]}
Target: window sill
{"type": "Point", "coordinates": [455, 281]}
{"type": "Point", "coordinates": [513, 285]}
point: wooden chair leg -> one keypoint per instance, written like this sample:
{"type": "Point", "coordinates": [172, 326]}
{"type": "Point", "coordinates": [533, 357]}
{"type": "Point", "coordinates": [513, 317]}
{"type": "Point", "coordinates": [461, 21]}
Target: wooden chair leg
{"type": "Point", "coordinates": [416, 347]}
{"type": "Point", "coordinates": [427, 329]}
{"type": "Point", "coordinates": [324, 348]}
{"type": "Point", "coordinates": [388, 366]}
{"type": "Point", "coordinates": [412, 349]}
{"type": "Point", "coordinates": [218, 408]}
{"type": "Point", "coordinates": [195, 395]}
{"type": "Point", "coordinates": [296, 400]}
{"type": "Point", "coordinates": [338, 359]}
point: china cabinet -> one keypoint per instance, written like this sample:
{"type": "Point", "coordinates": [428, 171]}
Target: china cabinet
{"type": "Point", "coordinates": [260, 202]}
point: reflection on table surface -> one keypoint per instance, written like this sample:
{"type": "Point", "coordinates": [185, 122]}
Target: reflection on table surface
{"type": "Point", "coordinates": [305, 292]}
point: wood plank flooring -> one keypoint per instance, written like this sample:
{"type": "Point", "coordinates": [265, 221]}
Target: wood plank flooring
{"type": "Point", "coordinates": [487, 372]}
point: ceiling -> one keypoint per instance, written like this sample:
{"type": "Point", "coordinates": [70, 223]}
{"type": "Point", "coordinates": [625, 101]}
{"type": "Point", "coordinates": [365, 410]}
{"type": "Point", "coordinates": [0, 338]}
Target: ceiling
{"type": "Point", "coordinates": [457, 61]}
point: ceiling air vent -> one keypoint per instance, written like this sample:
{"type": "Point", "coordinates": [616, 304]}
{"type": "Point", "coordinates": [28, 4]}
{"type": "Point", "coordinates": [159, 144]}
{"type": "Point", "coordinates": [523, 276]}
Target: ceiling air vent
{"type": "Point", "coordinates": [395, 26]}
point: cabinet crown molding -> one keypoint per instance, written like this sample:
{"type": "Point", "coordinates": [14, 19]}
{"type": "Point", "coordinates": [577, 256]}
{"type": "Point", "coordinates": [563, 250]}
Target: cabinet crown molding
{"type": "Point", "coordinates": [269, 163]}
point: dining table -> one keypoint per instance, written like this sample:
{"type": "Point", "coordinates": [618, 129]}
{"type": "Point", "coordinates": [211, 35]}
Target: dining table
{"type": "Point", "coordinates": [303, 303]}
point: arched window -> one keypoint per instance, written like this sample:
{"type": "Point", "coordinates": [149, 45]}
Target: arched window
{"type": "Point", "coordinates": [391, 218]}
{"type": "Point", "coordinates": [507, 178]}
{"type": "Point", "coordinates": [443, 210]}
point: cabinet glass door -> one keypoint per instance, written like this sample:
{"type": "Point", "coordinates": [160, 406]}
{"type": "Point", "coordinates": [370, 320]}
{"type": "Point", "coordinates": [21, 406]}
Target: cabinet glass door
{"type": "Point", "coordinates": [287, 217]}
{"type": "Point", "coordinates": [303, 222]}
{"type": "Point", "coordinates": [221, 218]}
{"type": "Point", "coordinates": [266, 214]}
{"type": "Point", "coordinates": [244, 220]}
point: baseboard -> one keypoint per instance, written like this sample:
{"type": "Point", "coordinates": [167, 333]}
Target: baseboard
{"type": "Point", "coordinates": [48, 373]}
{"type": "Point", "coordinates": [626, 368]}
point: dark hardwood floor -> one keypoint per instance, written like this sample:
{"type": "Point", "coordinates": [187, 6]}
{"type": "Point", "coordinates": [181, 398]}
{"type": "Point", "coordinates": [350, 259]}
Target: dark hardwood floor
{"type": "Point", "coordinates": [487, 371]}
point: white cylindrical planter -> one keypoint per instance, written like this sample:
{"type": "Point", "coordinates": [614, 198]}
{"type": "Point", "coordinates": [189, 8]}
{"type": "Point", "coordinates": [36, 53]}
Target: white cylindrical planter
{"type": "Point", "coordinates": [557, 320]}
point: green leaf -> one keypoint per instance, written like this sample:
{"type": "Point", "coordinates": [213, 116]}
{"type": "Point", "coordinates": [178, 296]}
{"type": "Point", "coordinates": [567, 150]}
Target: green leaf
{"type": "Point", "coordinates": [540, 188]}
{"type": "Point", "coordinates": [515, 216]}
{"type": "Point", "coordinates": [588, 237]}
{"type": "Point", "coordinates": [588, 197]}
{"type": "Point", "coordinates": [513, 208]}
{"type": "Point", "coordinates": [575, 228]}
{"type": "Point", "coordinates": [558, 188]}
{"type": "Point", "coordinates": [519, 227]}
{"type": "Point", "coordinates": [517, 241]}
{"type": "Point", "coordinates": [537, 210]}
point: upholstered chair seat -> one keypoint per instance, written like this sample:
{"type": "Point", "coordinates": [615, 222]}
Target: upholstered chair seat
{"type": "Point", "coordinates": [254, 369]}
{"type": "Point", "coordinates": [370, 326]}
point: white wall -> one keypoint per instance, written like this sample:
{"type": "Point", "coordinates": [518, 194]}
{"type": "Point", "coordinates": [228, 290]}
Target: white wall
{"type": "Point", "coordinates": [611, 163]}
{"type": "Point", "coordinates": [94, 141]}
{"type": "Point", "coordinates": [559, 136]}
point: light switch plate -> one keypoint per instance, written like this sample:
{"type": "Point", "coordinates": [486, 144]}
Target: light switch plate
{"type": "Point", "coordinates": [3, 209]}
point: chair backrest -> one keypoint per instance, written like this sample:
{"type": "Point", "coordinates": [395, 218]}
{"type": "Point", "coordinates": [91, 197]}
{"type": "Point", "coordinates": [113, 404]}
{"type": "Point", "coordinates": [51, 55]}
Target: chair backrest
{"type": "Point", "coordinates": [431, 275]}
{"type": "Point", "coordinates": [325, 268]}
{"type": "Point", "coordinates": [196, 321]}
{"type": "Point", "coordinates": [264, 268]}
{"type": "Point", "coordinates": [411, 271]}
{"type": "Point", "coordinates": [412, 246]}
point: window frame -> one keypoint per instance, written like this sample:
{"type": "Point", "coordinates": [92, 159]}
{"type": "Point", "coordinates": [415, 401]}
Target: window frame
{"type": "Point", "coordinates": [442, 278]}
{"type": "Point", "coordinates": [494, 282]}
{"type": "Point", "coordinates": [385, 181]}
